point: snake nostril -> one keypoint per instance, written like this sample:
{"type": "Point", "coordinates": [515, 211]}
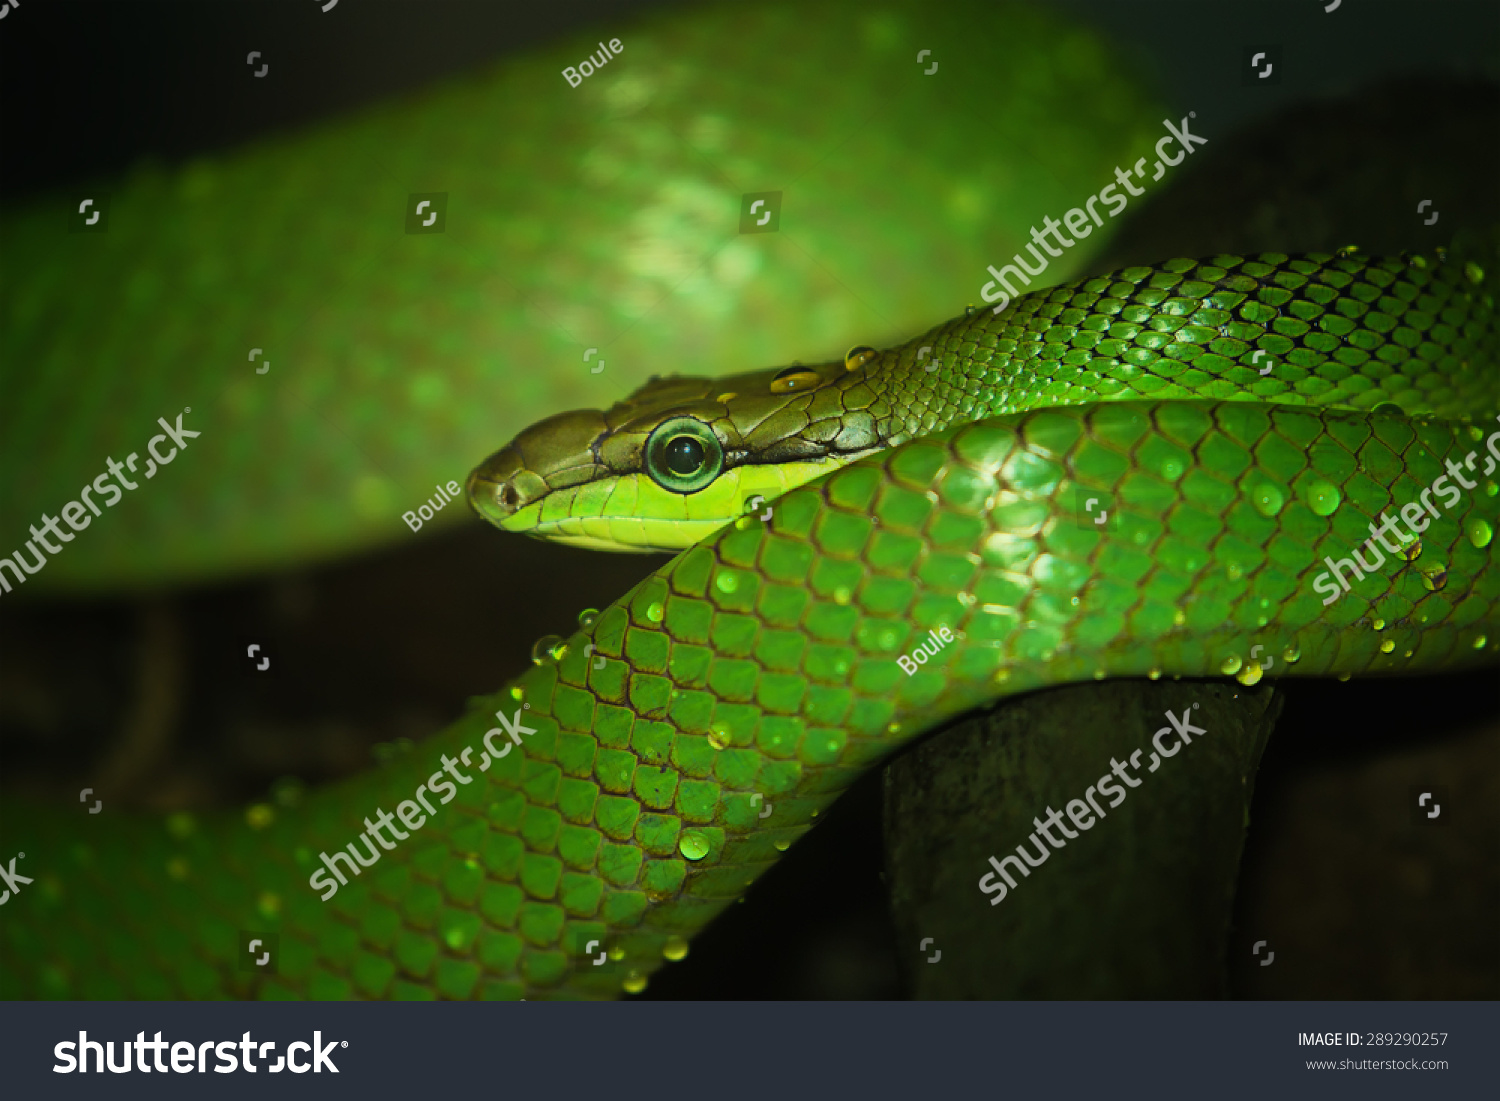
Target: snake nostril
{"type": "Point", "coordinates": [507, 496]}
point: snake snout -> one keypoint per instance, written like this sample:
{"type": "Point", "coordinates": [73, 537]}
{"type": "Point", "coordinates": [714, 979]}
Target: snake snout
{"type": "Point", "coordinates": [550, 455]}
{"type": "Point", "coordinates": [501, 486]}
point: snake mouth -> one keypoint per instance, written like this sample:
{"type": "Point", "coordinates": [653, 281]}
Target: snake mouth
{"type": "Point", "coordinates": [630, 512]}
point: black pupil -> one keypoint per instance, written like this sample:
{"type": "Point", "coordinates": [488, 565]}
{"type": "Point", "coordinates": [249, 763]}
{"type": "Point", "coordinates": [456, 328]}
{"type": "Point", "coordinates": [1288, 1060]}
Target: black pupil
{"type": "Point", "coordinates": [684, 456]}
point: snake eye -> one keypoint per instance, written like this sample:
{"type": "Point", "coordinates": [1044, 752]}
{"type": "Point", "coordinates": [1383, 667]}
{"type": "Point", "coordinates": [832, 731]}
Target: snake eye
{"type": "Point", "coordinates": [683, 455]}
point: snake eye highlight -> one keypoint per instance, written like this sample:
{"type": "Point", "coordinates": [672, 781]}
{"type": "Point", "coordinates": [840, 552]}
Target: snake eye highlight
{"type": "Point", "coordinates": [683, 455]}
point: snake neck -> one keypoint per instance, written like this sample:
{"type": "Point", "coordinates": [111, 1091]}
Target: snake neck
{"type": "Point", "coordinates": [1336, 331]}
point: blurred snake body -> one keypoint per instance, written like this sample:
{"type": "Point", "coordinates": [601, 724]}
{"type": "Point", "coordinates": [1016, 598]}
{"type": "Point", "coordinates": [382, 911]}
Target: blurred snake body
{"type": "Point", "coordinates": [590, 817]}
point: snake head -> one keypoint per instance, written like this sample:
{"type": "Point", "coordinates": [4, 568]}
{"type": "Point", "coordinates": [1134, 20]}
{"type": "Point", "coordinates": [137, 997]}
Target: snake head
{"type": "Point", "coordinates": [677, 459]}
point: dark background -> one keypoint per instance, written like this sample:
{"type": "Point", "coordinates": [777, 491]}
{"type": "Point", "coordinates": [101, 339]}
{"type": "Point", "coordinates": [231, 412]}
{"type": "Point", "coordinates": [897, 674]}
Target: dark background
{"type": "Point", "coordinates": [149, 699]}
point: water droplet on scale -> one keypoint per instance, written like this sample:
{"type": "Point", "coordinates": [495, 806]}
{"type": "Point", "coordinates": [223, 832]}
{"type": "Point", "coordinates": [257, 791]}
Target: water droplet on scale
{"type": "Point", "coordinates": [1267, 499]}
{"type": "Point", "coordinates": [676, 948]}
{"type": "Point", "coordinates": [1322, 497]}
{"type": "Point", "coordinates": [693, 844]}
{"type": "Point", "coordinates": [587, 616]}
{"type": "Point", "coordinates": [545, 648]}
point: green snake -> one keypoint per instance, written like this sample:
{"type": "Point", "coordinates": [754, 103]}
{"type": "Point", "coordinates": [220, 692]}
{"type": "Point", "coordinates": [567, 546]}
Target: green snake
{"type": "Point", "coordinates": [569, 834]}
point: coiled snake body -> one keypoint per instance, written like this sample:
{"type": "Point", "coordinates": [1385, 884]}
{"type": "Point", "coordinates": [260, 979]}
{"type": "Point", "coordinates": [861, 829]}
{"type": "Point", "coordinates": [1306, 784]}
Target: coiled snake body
{"type": "Point", "coordinates": [640, 777]}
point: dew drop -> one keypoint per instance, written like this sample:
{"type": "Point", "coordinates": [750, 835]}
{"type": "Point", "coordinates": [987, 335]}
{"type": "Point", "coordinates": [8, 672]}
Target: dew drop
{"type": "Point", "coordinates": [1231, 665]}
{"type": "Point", "coordinates": [1412, 551]}
{"type": "Point", "coordinates": [781, 846]}
{"type": "Point", "coordinates": [727, 581]}
{"type": "Point", "coordinates": [634, 983]}
{"type": "Point", "coordinates": [1387, 646]}
{"type": "Point", "coordinates": [259, 815]}
{"type": "Point", "coordinates": [1154, 674]}
{"type": "Point", "coordinates": [1434, 578]}
{"type": "Point", "coordinates": [968, 311]}
{"type": "Point", "coordinates": [1473, 272]}
{"type": "Point", "coordinates": [1100, 674]}
{"type": "Point", "coordinates": [1250, 674]}
{"type": "Point", "coordinates": [1267, 499]}
{"type": "Point", "coordinates": [1479, 642]}
{"type": "Point", "coordinates": [543, 648]}
{"type": "Point", "coordinates": [1378, 624]}
{"type": "Point", "coordinates": [693, 844]}
{"type": "Point", "coordinates": [1479, 531]}
{"type": "Point", "coordinates": [842, 595]}
{"type": "Point", "coordinates": [617, 953]}
{"type": "Point", "coordinates": [1491, 489]}
{"type": "Point", "coordinates": [796, 380]}
{"type": "Point", "coordinates": [1343, 677]}
{"type": "Point", "coordinates": [1179, 617]}
{"type": "Point", "coordinates": [1322, 497]}
{"type": "Point", "coordinates": [718, 736]}
{"type": "Point", "coordinates": [1389, 408]}
{"type": "Point", "coordinates": [655, 612]}
{"type": "Point", "coordinates": [1291, 655]}
{"type": "Point", "coordinates": [1171, 469]}
{"type": "Point", "coordinates": [587, 616]}
{"type": "Point", "coordinates": [675, 949]}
